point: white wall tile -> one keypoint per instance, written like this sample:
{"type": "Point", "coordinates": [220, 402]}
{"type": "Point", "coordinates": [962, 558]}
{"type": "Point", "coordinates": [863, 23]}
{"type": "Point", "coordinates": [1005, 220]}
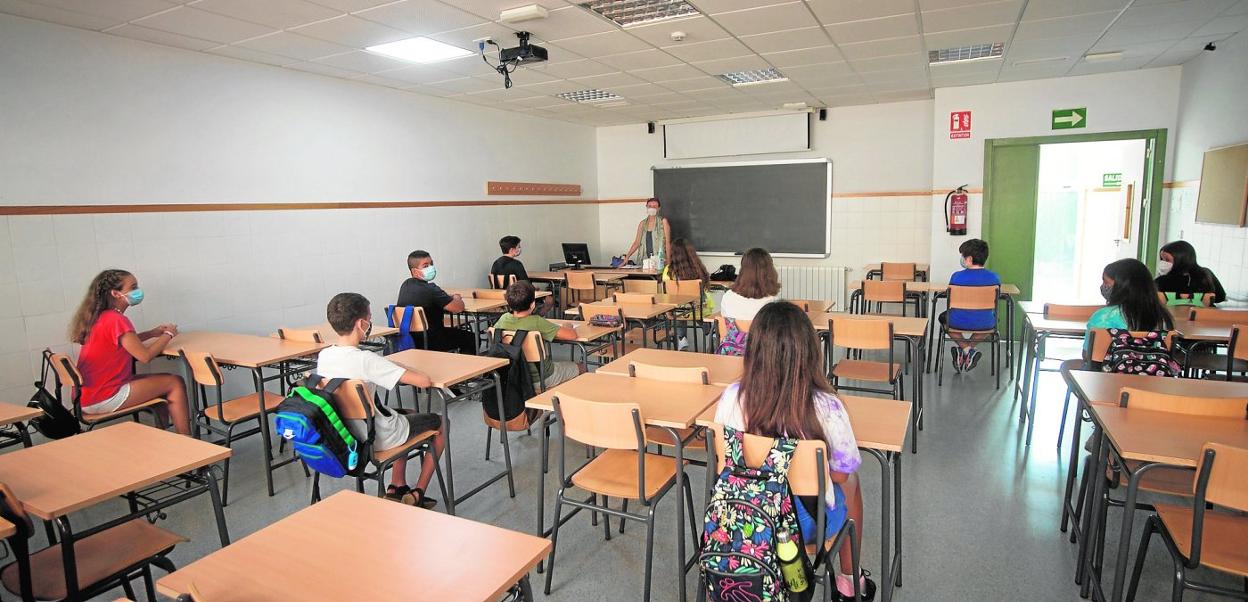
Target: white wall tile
{"type": "Point", "coordinates": [42, 297]}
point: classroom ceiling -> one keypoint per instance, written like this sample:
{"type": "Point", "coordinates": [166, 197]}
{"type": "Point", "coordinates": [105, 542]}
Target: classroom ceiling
{"type": "Point", "coordinates": [833, 52]}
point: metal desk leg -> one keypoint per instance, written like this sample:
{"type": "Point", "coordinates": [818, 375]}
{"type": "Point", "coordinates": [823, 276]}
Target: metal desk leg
{"type": "Point", "coordinates": [1068, 501]}
{"type": "Point", "coordinates": [446, 451]}
{"type": "Point", "coordinates": [1009, 334]}
{"type": "Point", "coordinates": [217, 509]}
{"type": "Point", "coordinates": [258, 377]}
{"type": "Point", "coordinates": [886, 515]}
{"type": "Point", "coordinates": [1091, 513]}
{"type": "Point", "coordinates": [1124, 538]}
{"type": "Point", "coordinates": [680, 510]}
{"type": "Point", "coordinates": [917, 380]}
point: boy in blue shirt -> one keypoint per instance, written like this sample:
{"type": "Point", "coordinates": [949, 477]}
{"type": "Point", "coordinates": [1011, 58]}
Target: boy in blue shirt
{"type": "Point", "coordinates": [974, 254]}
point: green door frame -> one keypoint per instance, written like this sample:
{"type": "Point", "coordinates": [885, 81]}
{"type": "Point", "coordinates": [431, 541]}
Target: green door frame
{"type": "Point", "coordinates": [1154, 170]}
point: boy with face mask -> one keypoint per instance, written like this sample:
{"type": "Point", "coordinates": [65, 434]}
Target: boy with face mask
{"type": "Point", "coordinates": [420, 291]}
{"type": "Point", "coordinates": [974, 254]}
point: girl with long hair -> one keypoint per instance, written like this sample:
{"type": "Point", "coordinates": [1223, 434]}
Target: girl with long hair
{"type": "Point", "coordinates": [685, 265]}
{"type": "Point", "coordinates": [109, 346]}
{"type": "Point", "coordinates": [1178, 272]}
{"type": "Point", "coordinates": [757, 284]}
{"type": "Point", "coordinates": [1131, 300]}
{"type": "Point", "coordinates": [785, 393]}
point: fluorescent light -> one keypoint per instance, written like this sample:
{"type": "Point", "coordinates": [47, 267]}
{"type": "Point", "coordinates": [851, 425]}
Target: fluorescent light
{"type": "Point", "coordinates": [590, 96]}
{"type": "Point", "coordinates": [963, 54]}
{"type": "Point", "coordinates": [1101, 57]}
{"type": "Point", "coordinates": [419, 50]}
{"type": "Point", "coordinates": [626, 13]}
{"type": "Point", "coordinates": [750, 78]}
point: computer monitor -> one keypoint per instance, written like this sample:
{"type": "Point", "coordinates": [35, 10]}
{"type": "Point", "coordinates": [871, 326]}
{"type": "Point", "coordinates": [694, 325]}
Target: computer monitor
{"type": "Point", "coordinates": [576, 253]}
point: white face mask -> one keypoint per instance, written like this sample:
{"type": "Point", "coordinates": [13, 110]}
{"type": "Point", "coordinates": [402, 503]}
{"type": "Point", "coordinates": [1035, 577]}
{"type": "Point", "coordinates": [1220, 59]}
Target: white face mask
{"type": "Point", "coordinates": [1164, 267]}
{"type": "Point", "coordinates": [652, 211]}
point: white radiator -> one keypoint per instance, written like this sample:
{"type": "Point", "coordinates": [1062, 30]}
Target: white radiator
{"type": "Point", "coordinates": [814, 282]}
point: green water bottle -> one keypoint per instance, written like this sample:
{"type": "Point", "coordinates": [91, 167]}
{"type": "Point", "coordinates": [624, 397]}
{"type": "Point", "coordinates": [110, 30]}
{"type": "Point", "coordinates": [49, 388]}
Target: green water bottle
{"type": "Point", "coordinates": [790, 564]}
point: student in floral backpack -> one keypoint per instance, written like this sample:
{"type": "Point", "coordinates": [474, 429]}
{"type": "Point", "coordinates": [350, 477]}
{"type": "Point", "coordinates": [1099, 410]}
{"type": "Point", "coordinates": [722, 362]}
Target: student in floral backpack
{"type": "Point", "coordinates": [1132, 304]}
{"type": "Point", "coordinates": [784, 392]}
{"type": "Point", "coordinates": [756, 285]}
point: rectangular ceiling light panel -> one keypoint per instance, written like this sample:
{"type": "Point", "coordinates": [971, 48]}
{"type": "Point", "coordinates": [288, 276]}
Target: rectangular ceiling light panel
{"type": "Point", "coordinates": [636, 12]}
{"type": "Point", "coordinates": [419, 50]}
{"type": "Point", "coordinates": [962, 54]}
{"type": "Point", "coordinates": [750, 78]}
{"type": "Point", "coordinates": [590, 96]}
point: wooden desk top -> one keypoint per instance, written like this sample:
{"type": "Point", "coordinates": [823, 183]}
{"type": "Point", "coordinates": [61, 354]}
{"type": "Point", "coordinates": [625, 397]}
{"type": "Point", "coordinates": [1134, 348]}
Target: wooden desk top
{"type": "Point", "coordinates": [6, 528]}
{"type": "Point", "coordinates": [473, 306]}
{"type": "Point", "coordinates": [10, 413]}
{"type": "Point", "coordinates": [640, 311]}
{"type": "Point", "coordinates": [675, 299]}
{"type": "Point", "coordinates": [446, 369]}
{"type": "Point", "coordinates": [63, 476]}
{"type": "Point", "coordinates": [879, 424]}
{"type": "Point", "coordinates": [674, 405]}
{"type": "Point", "coordinates": [329, 336]}
{"type": "Point", "coordinates": [599, 277]}
{"type": "Point", "coordinates": [1039, 323]}
{"type": "Point", "coordinates": [904, 327]}
{"type": "Point", "coordinates": [361, 547]}
{"type": "Point", "coordinates": [586, 332]}
{"type": "Point", "coordinates": [1103, 387]}
{"type": "Point", "coordinates": [1167, 437]}
{"type": "Point", "coordinates": [1203, 331]}
{"type": "Point", "coordinates": [721, 369]}
{"type": "Point", "coordinates": [467, 293]}
{"type": "Point", "coordinates": [243, 350]}
{"type": "Point", "coordinates": [815, 304]}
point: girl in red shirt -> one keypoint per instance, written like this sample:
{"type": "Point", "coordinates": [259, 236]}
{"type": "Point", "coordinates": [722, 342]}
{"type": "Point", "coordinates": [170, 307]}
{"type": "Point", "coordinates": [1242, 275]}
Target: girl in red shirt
{"type": "Point", "coordinates": [109, 343]}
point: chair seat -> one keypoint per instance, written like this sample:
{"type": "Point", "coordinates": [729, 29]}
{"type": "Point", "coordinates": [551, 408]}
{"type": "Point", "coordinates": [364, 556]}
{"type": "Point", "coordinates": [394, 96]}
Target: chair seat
{"type": "Point", "coordinates": [243, 408]}
{"type": "Point", "coordinates": [98, 557]}
{"type": "Point", "coordinates": [98, 418]}
{"type": "Point", "coordinates": [660, 436]}
{"type": "Point", "coordinates": [866, 370]}
{"type": "Point", "coordinates": [386, 455]}
{"type": "Point", "coordinates": [966, 331]}
{"type": "Point", "coordinates": [614, 473]}
{"type": "Point", "coordinates": [1213, 362]}
{"type": "Point", "coordinates": [1222, 545]}
{"type": "Point", "coordinates": [1170, 481]}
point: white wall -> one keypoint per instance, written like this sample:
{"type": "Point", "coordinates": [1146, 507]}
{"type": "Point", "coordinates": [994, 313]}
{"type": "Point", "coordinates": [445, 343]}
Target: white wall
{"type": "Point", "coordinates": [97, 119]}
{"type": "Point", "coordinates": [873, 148]}
{"type": "Point", "coordinates": [1127, 100]}
{"type": "Point", "coordinates": [1213, 112]}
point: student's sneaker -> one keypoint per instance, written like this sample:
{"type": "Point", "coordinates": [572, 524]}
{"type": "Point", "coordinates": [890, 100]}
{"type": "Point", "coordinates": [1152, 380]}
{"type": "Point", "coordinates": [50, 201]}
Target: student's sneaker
{"type": "Point", "coordinates": [973, 359]}
{"type": "Point", "coordinates": [956, 354]}
{"type": "Point", "coordinates": [682, 344]}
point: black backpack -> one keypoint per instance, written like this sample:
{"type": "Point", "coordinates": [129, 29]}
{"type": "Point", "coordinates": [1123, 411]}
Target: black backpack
{"type": "Point", "coordinates": [725, 272]}
{"type": "Point", "coordinates": [516, 383]}
{"type": "Point", "coordinates": [56, 422]}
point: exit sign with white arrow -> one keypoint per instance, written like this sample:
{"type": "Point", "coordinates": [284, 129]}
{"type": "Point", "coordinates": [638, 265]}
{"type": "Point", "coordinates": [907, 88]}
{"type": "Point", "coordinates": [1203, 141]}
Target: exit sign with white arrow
{"type": "Point", "coordinates": [1065, 119]}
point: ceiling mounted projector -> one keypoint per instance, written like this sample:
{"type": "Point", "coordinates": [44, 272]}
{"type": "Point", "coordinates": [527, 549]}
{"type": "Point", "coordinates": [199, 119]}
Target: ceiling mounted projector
{"type": "Point", "coordinates": [510, 59]}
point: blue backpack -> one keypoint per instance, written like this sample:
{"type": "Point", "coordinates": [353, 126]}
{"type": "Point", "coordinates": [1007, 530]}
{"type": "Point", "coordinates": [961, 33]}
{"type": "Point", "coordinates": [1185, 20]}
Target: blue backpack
{"type": "Point", "coordinates": [318, 435]}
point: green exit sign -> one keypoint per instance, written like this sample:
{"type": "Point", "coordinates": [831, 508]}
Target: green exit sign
{"type": "Point", "coordinates": [1111, 180]}
{"type": "Point", "coordinates": [1065, 119]}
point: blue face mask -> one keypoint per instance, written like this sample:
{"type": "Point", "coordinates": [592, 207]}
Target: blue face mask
{"type": "Point", "coordinates": [429, 273]}
{"type": "Point", "coordinates": [135, 296]}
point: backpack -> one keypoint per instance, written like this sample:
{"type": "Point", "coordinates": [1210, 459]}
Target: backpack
{"type": "Point", "coordinates": [734, 339]}
{"type": "Point", "coordinates": [404, 341]}
{"type": "Point", "coordinates": [515, 381]}
{"type": "Point", "coordinates": [747, 508]}
{"type": "Point", "coordinates": [725, 272]}
{"type": "Point", "coordinates": [56, 422]}
{"type": "Point", "coordinates": [318, 435]}
{"type": "Point", "coordinates": [1146, 354]}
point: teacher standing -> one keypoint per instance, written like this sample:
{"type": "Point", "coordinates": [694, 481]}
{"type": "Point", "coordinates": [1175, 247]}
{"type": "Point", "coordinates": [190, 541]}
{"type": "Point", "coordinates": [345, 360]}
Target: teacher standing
{"type": "Point", "coordinates": [654, 235]}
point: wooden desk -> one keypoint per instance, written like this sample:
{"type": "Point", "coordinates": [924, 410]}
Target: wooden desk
{"type": "Point", "coordinates": [60, 477]}
{"type": "Point", "coordinates": [468, 293]}
{"type": "Point", "coordinates": [7, 529]}
{"type": "Point", "coordinates": [380, 331]}
{"type": "Point", "coordinates": [1203, 331]}
{"type": "Point", "coordinates": [17, 417]}
{"type": "Point", "coordinates": [447, 370]}
{"type": "Point", "coordinates": [875, 269]}
{"type": "Point", "coordinates": [600, 277]}
{"type": "Point", "coordinates": [1103, 387]}
{"type": "Point", "coordinates": [364, 548]}
{"type": "Point", "coordinates": [474, 305]}
{"type": "Point", "coordinates": [586, 332]}
{"type": "Point", "coordinates": [721, 369]}
{"type": "Point", "coordinates": [646, 315]}
{"type": "Point", "coordinates": [1036, 330]}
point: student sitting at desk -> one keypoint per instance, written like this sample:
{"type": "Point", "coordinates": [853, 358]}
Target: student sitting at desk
{"type": "Point", "coordinates": [110, 345]}
{"type": "Point", "coordinates": [352, 318]}
{"type": "Point", "coordinates": [784, 392]}
{"type": "Point", "coordinates": [974, 254]}
{"type": "Point", "coordinates": [420, 291]}
{"type": "Point", "coordinates": [1131, 300]}
{"type": "Point", "coordinates": [521, 300]}
{"type": "Point", "coordinates": [1182, 279]}
{"type": "Point", "coordinates": [685, 265]}
{"type": "Point", "coordinates": [508, 264]}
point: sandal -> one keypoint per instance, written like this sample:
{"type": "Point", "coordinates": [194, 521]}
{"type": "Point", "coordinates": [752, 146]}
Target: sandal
{"type": "Point", "coordinates": [421, 500]}
{"type": "Point", "coordinates": [402, 494]}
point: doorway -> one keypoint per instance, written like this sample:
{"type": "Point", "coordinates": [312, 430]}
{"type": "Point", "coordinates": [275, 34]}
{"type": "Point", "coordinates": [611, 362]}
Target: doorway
{"type": "Point", "coordinates": [1087, 213]}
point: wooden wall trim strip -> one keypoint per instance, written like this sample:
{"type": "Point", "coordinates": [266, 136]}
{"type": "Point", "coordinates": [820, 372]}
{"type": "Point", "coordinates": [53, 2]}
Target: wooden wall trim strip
{"type": "Point", "coordinates": [1182, 184]}
{"type": "Point", "coordinates": [201, 207]}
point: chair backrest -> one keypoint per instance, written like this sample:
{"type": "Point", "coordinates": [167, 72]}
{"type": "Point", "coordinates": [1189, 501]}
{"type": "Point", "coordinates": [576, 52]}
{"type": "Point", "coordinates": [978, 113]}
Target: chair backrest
{"type": "Point", "coordinates": [861, 334]}
{"type": "Point", "coordinates": [500, 281]}
{"type": "Point", "coordinates": [490, 294]}
{"type": "Point", "coordinates": [1217, 407]}
{"type": "Point", "coordinates": [721, 325]}
{"type": "Point", "coordinates": [67, 374]}
{"type": "Point", "coordinates": [533, 347]}
{"type": "Point", "coordinates": [589, 310]}
{"type": "Point", "coordinates": [898, 271]}
{"type": "Point", "coordinates": [683, 287]}
{"type": "Point", "coordinates": [1098, 342]}
{"type": "Point", "coordinates": [12, 510]}
{"type": "Point", "coordinates": [804, 473]}
{"type": "Point", "coordinates": [419, 322]}
{"type": "Point", "coordinates": [302, 335]}
{"type": "Point", "coordinates": [1238, 346]}
{"type": "Point", "coordinates": [599, 424]}
{"type": "Point", "coordinates": [641, 285]}
{"type": "Point", "coordinates": [634, 298]}
{"type": "Point", "coordinates": [1183, 299]}
{"type": "Point", "coordinates": [1226, 468]}
{"type": "Point", "coordinates": [352, 401]}
{"type": "Point", "coordinates": [580, 280]}
{"type": "Point", "coordinates": [1220, 316]}
{"type": "Point", "coordinates": [974, 297]}
{"type": "Point", "coordinates": [693, 375]}
{"type": "Point", "coordinates": [884, 291]}
{"type": "Point", "coordinates": [1074, 313]}
{"type": "Point", "coordinates": [203, 368]}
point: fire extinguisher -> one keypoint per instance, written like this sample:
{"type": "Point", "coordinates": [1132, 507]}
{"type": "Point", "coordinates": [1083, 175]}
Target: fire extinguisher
{"type": "Point", "coordinates": [955, 211]}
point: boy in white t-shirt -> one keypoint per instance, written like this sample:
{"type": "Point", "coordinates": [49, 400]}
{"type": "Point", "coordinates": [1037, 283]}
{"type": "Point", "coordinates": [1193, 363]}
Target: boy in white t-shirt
{"type": "Point", "coordinates": [350, 315]}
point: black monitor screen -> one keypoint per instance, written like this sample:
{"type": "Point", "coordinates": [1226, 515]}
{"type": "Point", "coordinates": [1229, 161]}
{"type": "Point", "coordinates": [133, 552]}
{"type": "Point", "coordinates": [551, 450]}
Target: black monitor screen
{"type": "Point", "coordinates": [576, 253]}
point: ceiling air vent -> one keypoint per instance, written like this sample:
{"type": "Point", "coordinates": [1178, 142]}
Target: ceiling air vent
{"type": "Point", "coordinates": [963, 54]}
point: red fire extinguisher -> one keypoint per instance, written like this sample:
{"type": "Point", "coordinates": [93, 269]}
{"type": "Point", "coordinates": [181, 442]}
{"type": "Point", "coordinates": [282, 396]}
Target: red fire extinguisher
{"type": "Point", "coordinates": [955, 211]}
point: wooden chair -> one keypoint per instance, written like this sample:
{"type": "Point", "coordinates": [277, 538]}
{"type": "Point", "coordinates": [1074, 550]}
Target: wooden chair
{"type": "Point", "coordinates": [647, 286]}
{"type": "Point", "coordinates": [536, 353]}
{"type": "Point", "coordinates": [1074, 313]}
{"type": "Point", "coordinates": [493, 295]}
{"type": "Point", "coordinates": [1098, 344]}
{"type": "Point", "coordinates": [579, 282]}
{"type": "Point", "coordinates": [103, 561]}
{"type": "Point", "coordinates": [982, 298]}
{"type": "Point", "coordinates": [306, 335]}
{"type": "Point", "coordinates": [1211, 531]}
{"type": "Point", "coordinates": [634, 298]}
{"type": "Point", "coordinates": [1219, 316]}
{"type": "Point", "coordinates": [396, 315]}
{"type": "Point", "coordinates": [588, 311]}
{"type": "Point", "coordinates": [881, 292]}
{"type": "Point", "coordinates": [67, 375]}
{"type": "Point", "coordinates": [721, 330]}
{"type": "Point", "coordinates": [692, 375]}
{"type": "Point", "coordinates": [623, 470]}
{"type": "Point", "coordinates": [500, 281]}
{"type": "Point", "coordinates": [352, 402]}
{"type": "Point", "coordinates": [222, 417]}
{"type": "Point", "coordinates": [295, 366]}
{"type": "Point", "coordinates": [808, 477]}
{"type": "Point", "coordinates": [1218, 366]}
{"type": "Point", "coordinates": [865, 335]}
{"type": "Point", "coordinates": [898, 271]}
{"type": "Point", "coordinates": [1181, 299]}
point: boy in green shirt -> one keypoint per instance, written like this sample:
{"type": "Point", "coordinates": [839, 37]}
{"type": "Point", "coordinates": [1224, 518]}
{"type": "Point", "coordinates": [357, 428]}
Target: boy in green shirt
{"type": "Point", "coordinates": [521, 300]}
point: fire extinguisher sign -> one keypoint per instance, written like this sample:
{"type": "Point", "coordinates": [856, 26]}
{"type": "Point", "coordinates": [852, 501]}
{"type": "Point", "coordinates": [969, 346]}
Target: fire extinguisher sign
{"type": "Point", "coordinates": [959, 124]}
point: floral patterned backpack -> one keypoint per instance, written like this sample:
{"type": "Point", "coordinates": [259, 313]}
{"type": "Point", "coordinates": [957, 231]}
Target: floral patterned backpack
{"type": "Point", "coordinates": [1147, 354]}
{"type": "Point", "coordinates": [748, 507]}
{"type": "Point", "coordinates": [734, 339]}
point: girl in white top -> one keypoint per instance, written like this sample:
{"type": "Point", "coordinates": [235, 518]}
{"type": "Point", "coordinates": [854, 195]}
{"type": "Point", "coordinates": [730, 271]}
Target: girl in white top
{"type": "Point", "coordinates": [756, 285]}
{"type": "Point", "coordinates": [783, 392]}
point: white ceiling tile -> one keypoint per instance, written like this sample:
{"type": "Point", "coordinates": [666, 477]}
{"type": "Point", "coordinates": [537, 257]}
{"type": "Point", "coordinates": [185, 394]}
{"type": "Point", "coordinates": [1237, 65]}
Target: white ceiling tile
{"type": "Point", "coordinates": [466, 65]}
{"type": "Point", "coordinates": [791, 39]}
{"type": "Point", "coordinates": [1121, 36]}
{"type": "Point", "coordinates": [551, 87]}
{"type": "Point", "coordinates": [421, 17]}
{"type": "Point", "coordinates": [529, 101]}
{"type": "Point", "coordinates": [1168, 12]}
{"type": "Point", "coordinates": [1223, 25]}
{"type": "Point", "coordinates": [942, 4]}
{"type": "Point", "coordinates": [887, 47]}
{"type": "Point", "coordinates": [1148, 50]}
{"type": "Point", "coordinates": [1026, 50]}
{"type": "Point", "coordinates": [279, 14]}
{"type": "Point", "coordinates": [323, 69]}
{"type": "Point", "coordinates": [469, 84]}
{"type": "Point", "coordinates": [967, 37]}
{"type": "Point", "coordinates": [667, 74]}
{"type": "Point", "coordinates": [644, 59]}
{"type": "Point", "coordinates": [418, 74]}
{"type": "Point", "coordinates": [904, 95]}
{"type": "Point", "coordinates": [820, 73]}
{"type": "Point", "coordinates": [696, 29]}
{"type": "Point", "coordinates": [839, 90]}
{"type": "Point", "coordinates": [579, 68]}
{"type": "Point", "coordinates": [377, 80]}
{"type": "Point", "coordinates": [491, 8]}
{"type": "Point", "coordinates": [603, 44]}
{"type": "Point", "coordinates": [429, 90]}
{"type": "Point", "coordinates": [524, 74]}
{"type": "Point", "coordinates": [840, 11]}
{"type": "Point", "coordinates": [113, 10]}
{"type": "Point", "coordinates": [352, 5]}
{"type": "Point", "coordinates": [711, 7]}
{"type": "Point", "coordinates": [741, 63]}
{"type": "Point", "coordinates": [255, 56]}
{"type": "Point", "coordinates": [849, 100]}
{"type": "Point", "coordinates": [603, 82]}
{"type": "Point", "coordinates": [890, 63]}
{"type": "Point", "coordinates": [567, 22]}
{"type": "Point", "coordinates": [1010, 72]}
{"type": "Point", "coordinates": [294, 46]}
{"type": "Point", "coordinates": [705, 51]}
{"type": "Point", "coordinates": [163, 38]}
{"type": "Point", "coordinates": [874, 29]}
{"type": "Point", "coordinates": [805, 56]}
{"type": "Point", "coordinates": [659, 98]}
{"type": "Point", "coordinates": [1174, 57]}
{"type": "Point", "coordinates": [464, 38]}
{"type": "Point", "coordinates": [362, 61]}
{"type": "Point", "coordinates": [1238, 9]}
{"type": "Point", "coordinates": [352, 31]}
{"type": "Point", "coordinates": [641, 91]}
{"type": "Point", "coordinates": [1059, 27]}
{"type": "Point", "coordinates": [1086, 68]}
{"type": "Point", "coordinates": [979, 15]}
{"type": "Point", "coordinates": [767, 19]}
{"type": "Point", "coordinates": [50, 14]}
{"type": "Point", "coordinates": [874, 78]}
{"type": "Point", "coordinates": [1054, 9]}
{"type": "Point", "coordinates": [204, 25]}
{"type": "Point", "coordinates": [695, 83]}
